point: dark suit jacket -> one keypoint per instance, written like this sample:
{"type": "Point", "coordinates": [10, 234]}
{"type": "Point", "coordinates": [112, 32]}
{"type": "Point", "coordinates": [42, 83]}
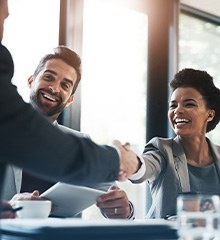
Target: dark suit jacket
{"type": "Point", "coordinates": [30, 183]}
{"type": "Point", "coordinates": [29, 141]}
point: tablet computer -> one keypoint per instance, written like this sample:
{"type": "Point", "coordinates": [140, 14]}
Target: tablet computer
{"type": "Point", "coordinates": [69, 200]}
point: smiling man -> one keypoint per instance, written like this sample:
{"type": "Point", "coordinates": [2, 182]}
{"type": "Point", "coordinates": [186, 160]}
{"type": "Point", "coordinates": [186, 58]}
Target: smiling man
{"type": "Point", "coordinates": [54, 82]}
{"type": "Point", "coordinates": [52, 88]}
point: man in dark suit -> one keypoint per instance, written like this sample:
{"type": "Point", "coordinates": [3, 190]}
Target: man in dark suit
{"type": "Point", "coordinates": [29, 141]}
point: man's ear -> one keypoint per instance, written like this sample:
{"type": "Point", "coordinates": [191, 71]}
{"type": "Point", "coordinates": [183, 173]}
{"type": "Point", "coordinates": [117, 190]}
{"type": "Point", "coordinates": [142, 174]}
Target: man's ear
{"type": "Point", "coordinates": [70, 100]}
{"type": "Point", "coordinates": [30, 80]}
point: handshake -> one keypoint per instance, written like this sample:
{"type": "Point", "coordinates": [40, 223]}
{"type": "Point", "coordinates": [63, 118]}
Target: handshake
{"type": "Point", "coordinates": [129, 161]}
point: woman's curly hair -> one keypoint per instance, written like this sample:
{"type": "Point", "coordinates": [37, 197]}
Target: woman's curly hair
{"type": "Point", "coordinates": [203, 83]}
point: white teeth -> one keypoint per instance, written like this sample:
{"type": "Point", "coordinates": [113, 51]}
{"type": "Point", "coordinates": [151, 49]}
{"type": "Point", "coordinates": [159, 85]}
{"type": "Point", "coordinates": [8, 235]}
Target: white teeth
{"type": "Point", "coordinates": [49, 97]}
{"type": "Point", "coordinates": [181, 120]}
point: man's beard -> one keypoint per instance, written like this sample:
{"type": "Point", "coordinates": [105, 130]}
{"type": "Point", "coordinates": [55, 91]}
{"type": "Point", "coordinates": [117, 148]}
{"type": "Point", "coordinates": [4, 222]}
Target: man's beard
{"type": "Point", "coordinates": [44, 108]}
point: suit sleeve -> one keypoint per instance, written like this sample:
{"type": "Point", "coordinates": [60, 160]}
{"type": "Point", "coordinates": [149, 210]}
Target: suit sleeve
{"type": "Point", "coordinates": [29, 141]}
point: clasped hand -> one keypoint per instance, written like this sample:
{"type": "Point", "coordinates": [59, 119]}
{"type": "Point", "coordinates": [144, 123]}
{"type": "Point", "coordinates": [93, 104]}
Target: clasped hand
{"type": "Point", "coordinates": [129, 162]}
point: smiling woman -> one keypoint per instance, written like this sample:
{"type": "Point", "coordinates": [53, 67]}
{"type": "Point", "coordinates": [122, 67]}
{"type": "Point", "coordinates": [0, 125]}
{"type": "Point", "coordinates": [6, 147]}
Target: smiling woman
{"type": "Point", "coordinates": [188, 113]}
{"type": "Point", "coordinates": [190, 161]}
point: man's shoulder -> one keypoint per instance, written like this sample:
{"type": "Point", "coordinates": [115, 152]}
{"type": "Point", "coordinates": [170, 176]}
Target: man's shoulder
{"type": "Point", "coordinates": [6, 62]}
{"type": "Point", "coordinates": [72, 131]}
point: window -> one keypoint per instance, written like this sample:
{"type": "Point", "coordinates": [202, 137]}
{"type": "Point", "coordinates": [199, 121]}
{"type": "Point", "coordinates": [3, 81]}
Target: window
{"type": "Point", "coordinates": [196, 44]}
{"type": "Point", "coordinates": [114, 61]}
{"type": "Point", "coordinates": [114, 57]}
{"type": "Point", "coordinates": [199, 48]}
{"type": "Point", "coordinates": [31, 31]}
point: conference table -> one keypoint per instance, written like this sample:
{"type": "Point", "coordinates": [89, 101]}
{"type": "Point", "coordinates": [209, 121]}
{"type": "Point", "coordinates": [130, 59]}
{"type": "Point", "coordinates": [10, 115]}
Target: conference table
{"type": "Point", "coordinates": [102, 229]}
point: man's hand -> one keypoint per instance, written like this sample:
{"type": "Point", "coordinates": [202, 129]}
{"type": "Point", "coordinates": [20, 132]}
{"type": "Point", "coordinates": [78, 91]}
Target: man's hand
{"type": "Point", "coordinates": [129, 162]}
{"type": "Point", "coordinates": [6, 214]}
{"type": "Point", "coordinates": [114, 203]}
{"type": "Point", "coordinates": [35, 195]}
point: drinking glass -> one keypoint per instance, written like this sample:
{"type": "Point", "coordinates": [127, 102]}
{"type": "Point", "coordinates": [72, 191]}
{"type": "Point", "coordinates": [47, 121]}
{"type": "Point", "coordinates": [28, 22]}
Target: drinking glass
{"type": "Point", "coordinates": [198, 216]}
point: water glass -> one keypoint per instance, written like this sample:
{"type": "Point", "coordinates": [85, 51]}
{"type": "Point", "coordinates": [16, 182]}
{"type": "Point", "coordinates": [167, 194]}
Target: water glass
{"type": "Point", "coordinates": [198, 216]}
